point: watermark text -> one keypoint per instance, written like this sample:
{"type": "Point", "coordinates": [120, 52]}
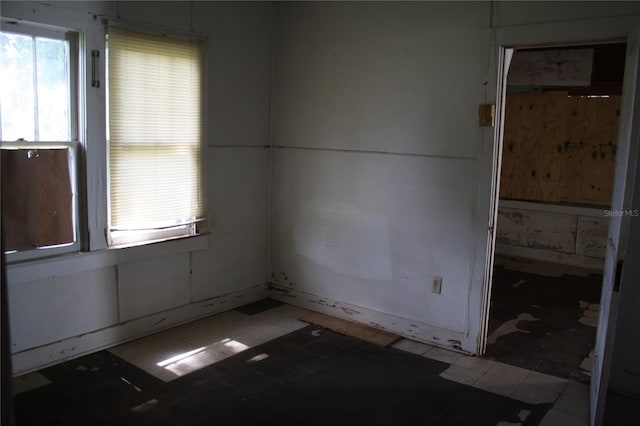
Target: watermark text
{"type": "Point", "coordinates": [621, 213]}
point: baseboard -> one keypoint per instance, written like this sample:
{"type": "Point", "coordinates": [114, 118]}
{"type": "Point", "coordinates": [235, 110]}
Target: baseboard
{"type": "Point", "coordinates": [73, 347]}
{"type": "Point", "coordinates": [404, 327]}
{"type": "Point", "coordinates": [588, 262]}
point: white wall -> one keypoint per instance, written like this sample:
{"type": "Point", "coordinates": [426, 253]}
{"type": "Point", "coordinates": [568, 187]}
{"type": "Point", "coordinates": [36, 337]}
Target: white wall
{"type": "Point", "coordinates": [381, 173]}
{"type": "Point", "coordinates": [67, 306]}
{"type": "Point", "coordinates": [377, 160]}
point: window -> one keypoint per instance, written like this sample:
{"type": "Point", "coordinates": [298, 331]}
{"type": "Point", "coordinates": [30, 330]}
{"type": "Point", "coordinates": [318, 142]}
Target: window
{"type": "Point", "coordinates": [39, 137]}
{"type": "Point", "coordinates": [155, 135]}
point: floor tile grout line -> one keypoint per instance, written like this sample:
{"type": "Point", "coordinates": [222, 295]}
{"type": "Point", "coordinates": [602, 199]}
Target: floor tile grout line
{"type": "Point", "coordinates": [493, 364]}
{"type": "Point", "coordinates": [514, 390]}
{"type": "Point", "coordinates": [484, 373]}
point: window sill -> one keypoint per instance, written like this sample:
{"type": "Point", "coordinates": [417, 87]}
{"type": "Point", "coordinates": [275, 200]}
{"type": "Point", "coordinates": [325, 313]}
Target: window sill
{"type": "Point", "coordinates": [156, 248]}
{"type": "Point", "coordinates": [50, 267]}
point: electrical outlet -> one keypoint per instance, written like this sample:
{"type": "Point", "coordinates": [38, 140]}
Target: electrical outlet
{"type": "Point", "coordinates": [436, 285]}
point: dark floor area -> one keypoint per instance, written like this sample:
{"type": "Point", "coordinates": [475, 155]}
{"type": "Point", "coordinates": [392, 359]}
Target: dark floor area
{"type": "Point", "coordinates": [557, 342]}
{"type": "Point", "coordinates": [259, 306]}
{"type": "Point", "coordinates": [309, 377]}
{"type": "Point", "coordinates": [621, 410]}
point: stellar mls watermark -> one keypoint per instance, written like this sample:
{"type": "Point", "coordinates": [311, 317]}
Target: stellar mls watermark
{"type": "Point", "coordinates": [621, 213]}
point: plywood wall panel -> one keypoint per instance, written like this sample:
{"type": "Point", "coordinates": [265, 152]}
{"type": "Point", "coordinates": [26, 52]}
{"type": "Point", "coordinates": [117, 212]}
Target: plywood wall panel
{"type": "Point", "coordinates": [593, 130]}
{"type": "Point", "coordinates": [535, 130]}
{"type": "Point", "coordinates": [38, 198]}
{"type": "Point", "coordinates": [559, 148]}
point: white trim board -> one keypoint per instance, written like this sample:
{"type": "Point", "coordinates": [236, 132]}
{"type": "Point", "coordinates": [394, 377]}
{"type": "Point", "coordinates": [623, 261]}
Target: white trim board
{"type": "Point", "coordinates": [73, 347]}
{"type": "Point", "coordinates": [411, 329]}
{"type": "Point", "coordinates": [72, 263]}
{"type": "Point", "coordinates": [553, 208]}
{"type": "Point", "coordinates": [594, 263]}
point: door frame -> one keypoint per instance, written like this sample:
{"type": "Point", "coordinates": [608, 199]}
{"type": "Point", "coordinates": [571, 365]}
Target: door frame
{"type": "Point", "coordinates": [625, 174]}
{"type": "Point", "coordinates": [629, 130]}
{"type": "Point", "coordinates": [505, 54]}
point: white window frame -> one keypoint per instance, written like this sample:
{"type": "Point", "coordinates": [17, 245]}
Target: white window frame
{"type": "Point", "coordinates": [77, 130]}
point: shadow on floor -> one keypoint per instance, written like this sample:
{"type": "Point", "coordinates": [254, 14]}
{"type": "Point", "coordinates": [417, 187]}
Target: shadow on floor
{"type": "Point", "coordinates": [309, 377]}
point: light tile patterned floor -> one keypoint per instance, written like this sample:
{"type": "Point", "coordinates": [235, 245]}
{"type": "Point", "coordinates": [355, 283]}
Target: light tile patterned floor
{"type": "Point", "coordinates": [412, 346]}
{"type": "Point", "coordinates": [538, 388]}
{"type": "Point", "coordinates": [502, 379]}
{"type": "Point", "coordinates": [181, 350]}
{"type": "Point", "coordinates": [190, 347]}
{"type": "Point", "coordinates": [570, 399]}
{"type": "Point", "coordinates": [187, 348]}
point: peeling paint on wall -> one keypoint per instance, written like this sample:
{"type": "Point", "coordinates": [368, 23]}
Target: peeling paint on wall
{"type": "Point", "coordinates": [350, 311]}
{"type": "Point", "coordinates": [554, 233]}
{"type": "Point", "coordinates": [455, 343]}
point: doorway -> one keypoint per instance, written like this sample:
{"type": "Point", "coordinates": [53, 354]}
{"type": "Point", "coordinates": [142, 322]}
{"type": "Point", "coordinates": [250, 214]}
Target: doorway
{"type": "Point", "coordinates": [559, 152]}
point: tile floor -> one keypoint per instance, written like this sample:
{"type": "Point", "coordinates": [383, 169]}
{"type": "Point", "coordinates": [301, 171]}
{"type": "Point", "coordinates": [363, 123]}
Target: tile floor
{"type": "Point", "coordinates": [261, 365]}
{"type": "Point", "coordinates": [190, 347]}
{"type": "Point", "coordinates": [570, 399]}
{"type": "Point", "coordinates": [543, 317]}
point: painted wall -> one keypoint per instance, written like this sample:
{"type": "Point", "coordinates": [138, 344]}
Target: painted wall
{"type": "Point", "coordinates": [381, 174]}
{"type": "Point", "coordinates": [553, 233]}
{"type": "Point", "coordinates": [377, 161]}
{"type": "Point", "coordinates": [65, 306]}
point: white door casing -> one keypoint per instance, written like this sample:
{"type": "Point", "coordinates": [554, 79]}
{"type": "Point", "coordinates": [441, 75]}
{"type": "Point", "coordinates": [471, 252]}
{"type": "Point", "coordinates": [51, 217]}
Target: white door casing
{"type": "Point", "coordinates": [567, 34]}
{"type": "Point", "coordinates": [623, 183]}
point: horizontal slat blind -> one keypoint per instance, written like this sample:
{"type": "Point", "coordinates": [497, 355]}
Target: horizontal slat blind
{"type": "Point", "coordinates": [155, 94]}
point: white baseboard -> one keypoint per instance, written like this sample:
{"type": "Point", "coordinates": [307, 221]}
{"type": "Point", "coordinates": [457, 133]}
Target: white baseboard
{"type": "Point", "coordinates": [588, 262]}
{"type": "Point", "coordinates": [73, 347]}
{"type": "Point", "coordinates": [404, 327]}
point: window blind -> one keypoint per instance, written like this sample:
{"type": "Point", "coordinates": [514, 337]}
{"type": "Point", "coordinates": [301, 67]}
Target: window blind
{"type": "Point", "coordinates": [155, 110]}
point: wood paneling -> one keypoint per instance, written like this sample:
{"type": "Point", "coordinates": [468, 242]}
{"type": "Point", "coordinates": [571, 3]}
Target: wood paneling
{"type": "Point", "coordinates": [559, 234]}
{"type": "Point", "coordinates": [593, 129]}
{"type": "Point", "coordinates": [559, 148]}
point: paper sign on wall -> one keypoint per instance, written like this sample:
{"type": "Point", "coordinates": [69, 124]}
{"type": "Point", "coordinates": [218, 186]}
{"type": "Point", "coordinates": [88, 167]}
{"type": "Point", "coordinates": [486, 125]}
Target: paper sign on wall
{"type": "Point", "coordinates": [569, 67]}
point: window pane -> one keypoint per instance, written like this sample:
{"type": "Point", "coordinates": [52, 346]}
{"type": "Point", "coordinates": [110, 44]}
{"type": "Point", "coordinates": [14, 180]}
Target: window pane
{"type": "Point", "coordinates": [16, 87]}
{"type": "Point", "coordinates": [155, 87]}
{"type": "Point", "coordinates": [157, 186]}
{"type": "Point", "coordinates": [155, 132]}
{"type": "Point", "coordinates": [52, 57]}
{"type": "Point", "coordinates": [38, 191]}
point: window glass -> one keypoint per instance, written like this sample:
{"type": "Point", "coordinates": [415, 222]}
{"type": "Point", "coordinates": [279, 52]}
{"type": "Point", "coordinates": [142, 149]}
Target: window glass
{"type": "Point", "coordinates": [35, 88]}
{"type": "Point", "coordinates": [39, 161]}
{"type": "Point", "coordinates": [17, 103]}
{"type": "Point", "coordinates": [53, 89]}
{"type": "Point", "coordinates": [155, 136]}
